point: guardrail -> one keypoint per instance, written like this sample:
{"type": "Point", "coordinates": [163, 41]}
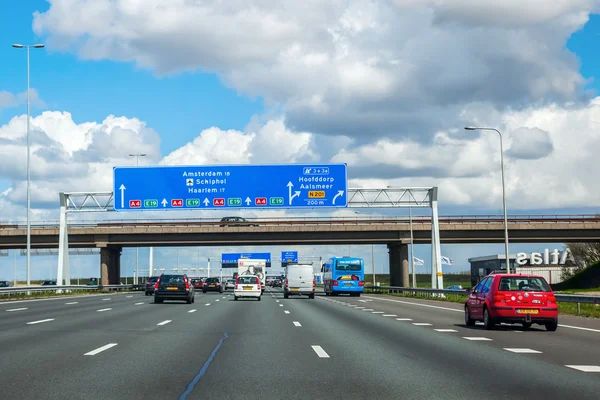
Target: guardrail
{"type": "Point", "coordinates": [563, 298]}
{"type": "Point", "coordinates": [379, 219]}
{"type": "Point", "coordinates": [60, 289]}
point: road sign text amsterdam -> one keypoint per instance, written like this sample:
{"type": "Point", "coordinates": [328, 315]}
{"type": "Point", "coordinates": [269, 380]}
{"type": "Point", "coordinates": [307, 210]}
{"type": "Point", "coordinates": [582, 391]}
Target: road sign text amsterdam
{"type": "Point", "coordinates": [230, 186]}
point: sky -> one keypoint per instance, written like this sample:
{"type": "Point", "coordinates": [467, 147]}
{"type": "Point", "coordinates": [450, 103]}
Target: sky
{"type": "Point", "coordinates": [385, 87]}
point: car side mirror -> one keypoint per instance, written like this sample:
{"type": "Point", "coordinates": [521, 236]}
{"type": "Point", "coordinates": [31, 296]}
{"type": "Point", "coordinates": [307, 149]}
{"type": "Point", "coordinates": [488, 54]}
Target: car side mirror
{"type": "Point", "coordinates": [474, 291]}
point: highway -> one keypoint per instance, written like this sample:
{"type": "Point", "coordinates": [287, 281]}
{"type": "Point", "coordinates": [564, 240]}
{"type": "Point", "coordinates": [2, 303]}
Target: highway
{"type": "Point", "coordinates": [118, 346]}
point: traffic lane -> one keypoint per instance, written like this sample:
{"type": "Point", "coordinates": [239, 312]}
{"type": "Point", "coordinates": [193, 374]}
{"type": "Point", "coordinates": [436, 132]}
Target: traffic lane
{"type": "Point", "coordinates": [30, 303]}
{"type": "Point", "coordinates": [564, 319]}
{"type": "Point", "coordinates": [15, 316]}
{"type": "Point", "coordinates": [266, 354]}
{"type": "Point", "coordinates": [391, 358]}
{"type": "Point", "coordinates": [57, 367]}
{"type": "Point", "coordinates": [562, 347]}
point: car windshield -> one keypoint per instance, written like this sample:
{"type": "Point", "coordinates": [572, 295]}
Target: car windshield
{"type": "Point", "coordinates": [524, 283]}
{"type": "Point", "coordinates": [247, 280]}
{"type": "Point", "coordinates": [172, 279]}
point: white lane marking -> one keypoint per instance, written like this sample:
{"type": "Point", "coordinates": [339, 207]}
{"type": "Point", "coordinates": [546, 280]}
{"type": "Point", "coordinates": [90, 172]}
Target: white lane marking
{"type": "Point", "coordinates": [377, 312]}
{"type": "Point", "coordinates": [421, 324]}
{"type": "Point", "coordinates": [164, 322]}
{"type": "Point", "coordinates": [217, 300]}
{"type": "Point", "coordinates": [276, 301]}
{"type": "Point", "coordinates": [191, 311]}
{"type": "Point", "coordinates": [368, 309]}
{"type": "Point", "coordinates": [296, 323]}
{"type": "Point", "coordinates": [207, 304]}
{"type": "Point", "coordinates": [524, 351]}
{"type": "Point", "coordinates": [359, 308]}
{"type": "Point", "coordinates": [320, 352]}
{"type": "Point", "coordinates": [403, 319]}
{"type": "Point", "coordinates": [105, 299]}
{"type": "Point", "coordinates": [104, 309]}
{"type": "Point", "coordinates": [286, 311]}
{"type": "Point", "coordinates": [477, 338]}
{"type": "Point", "coordinates": [518, 331]}
{"type": "Point", "coordinates": [100, 349]}
{"type": "Point", "coordinates": [40, 321]}
{"type": "Point", "coordinates": [139, 304]}
{"type": "Point", "coordinates": [363, 301]}
{"type": "Point", "coordinates": [445, 330]}
{"type": "Point", "coordinates": [72, 302]}
{"type": "Point", "coordinates": [578, 327]}
{"type": "Point", "coordinates": [129, 297]}
{"type": "Point", "coordinates": [57, 298]}
{"type": "Point", "coordinates": [585, 368]}
{"type": "Point", "coordinates": [389, 315]}
{"type": "Point", "coordinates": [281, 305]}
{"type": "Point", "coordinates": [17, 309]}
{"type": "Point", "coordinates": [418, 304]}
{"type": "Point", "coordinates": [461, 311]}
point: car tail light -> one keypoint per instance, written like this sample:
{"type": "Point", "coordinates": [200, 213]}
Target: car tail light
{"type": "Point", "coordinates": [156, 284]}
{"type": "Point", "coordinates": [334, 283]}
{"type": "Point", "coordinates": [314, 283]}
{"type": "Point", "coordinates": [187, 283]}
{"type": "Point", "coordinates": [361, 283]}
{"type": "Point", "coordinates": [258, 282]}
{"type": "Point", "coordinates": [286, 283]}
{"type": "Point", "coordinates": [499, 299]}
{"type": "Point", "coordinates": [551, 299]}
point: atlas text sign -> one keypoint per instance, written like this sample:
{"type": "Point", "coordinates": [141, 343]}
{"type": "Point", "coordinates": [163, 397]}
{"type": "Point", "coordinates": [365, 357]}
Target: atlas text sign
{"type": "Point", "coordinates": [230, 186]}
{"type": "Point", "coordinates": [546, 258]}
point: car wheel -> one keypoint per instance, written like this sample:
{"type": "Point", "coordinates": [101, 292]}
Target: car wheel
{"type": "Point", "coordinates": [311, 296]}
{"type": "Point", "coordinates": [488, 323]}
{"type": "Point", "coordinates": [259, 298]}
{"type": "Point", "coordinates": [552, 326]}
{"type": "Point", "coordinates": [204, 291]}
{"type": "Point", "coordinates": [286, 295]}
{"type": "Point", "coordinates": [527, 325]}
{"type": "Point", "coordinates": [235, 298]}
{"type": "Point", "coordinates": [158, 301]}
{"type": "Point", "coordinates": [468, 320]}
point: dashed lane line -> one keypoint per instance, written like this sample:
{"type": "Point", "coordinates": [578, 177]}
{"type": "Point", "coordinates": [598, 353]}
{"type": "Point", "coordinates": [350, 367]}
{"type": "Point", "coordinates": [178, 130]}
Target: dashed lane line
{"type": "Point", "coordinates": [100, 349]}
{"type": "Point", "coordinates": [40, 321]}
{"type": "Point", "coordinates": [164, 322]}
{"type": "Point", "coordinates": [320, 352]}
{"type": "Point", "coordinates": [104, 309]}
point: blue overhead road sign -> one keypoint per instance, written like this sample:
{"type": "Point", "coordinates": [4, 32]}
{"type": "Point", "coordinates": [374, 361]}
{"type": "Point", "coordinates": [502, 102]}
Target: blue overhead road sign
{"type": "Point", "coordinates": [230, 186]}
{"type": "Point", "coordinates": [289, 256]}
{"type": "Point", "coordinates": [230, 260]}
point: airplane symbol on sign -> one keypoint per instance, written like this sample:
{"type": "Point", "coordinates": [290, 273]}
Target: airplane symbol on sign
{"type": "Point", "coordinates": [189, 182]}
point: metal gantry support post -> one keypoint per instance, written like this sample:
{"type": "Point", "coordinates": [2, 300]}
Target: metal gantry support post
{"type": "Point", "coordinates": [63, 245]}
{"type": "Point", "coordinates": [151, 262]}
{"type": "Point", "coordinates": [437, 278]}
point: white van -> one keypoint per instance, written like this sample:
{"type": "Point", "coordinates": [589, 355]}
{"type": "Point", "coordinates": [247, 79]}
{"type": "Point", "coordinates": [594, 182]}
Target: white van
{"type": "Point", "coordinates": [299, 280]}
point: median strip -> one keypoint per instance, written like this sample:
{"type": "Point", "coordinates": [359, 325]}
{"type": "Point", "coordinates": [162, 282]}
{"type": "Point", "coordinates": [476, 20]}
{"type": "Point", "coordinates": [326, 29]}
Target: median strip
{"type": "Point", "coordinates": [100, 349]}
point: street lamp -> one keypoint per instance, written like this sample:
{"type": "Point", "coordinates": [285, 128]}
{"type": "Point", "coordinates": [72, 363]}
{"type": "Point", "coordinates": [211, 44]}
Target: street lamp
{"type": "Point", "coordinates": [35, 46]}
{"type": "Point", "coordinates": [137, 250]}
{"type": "Point", "coordinates": [474, 128]}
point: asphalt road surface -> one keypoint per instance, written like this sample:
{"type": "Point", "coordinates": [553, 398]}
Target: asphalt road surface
{"type": "Point", "coordinates": [122, 346]}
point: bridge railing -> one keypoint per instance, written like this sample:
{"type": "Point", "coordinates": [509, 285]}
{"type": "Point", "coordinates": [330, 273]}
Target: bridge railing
{"type": "Point", "coordinates": [561, 298]}
{"type": "Point", "coordinates": [344, 220]}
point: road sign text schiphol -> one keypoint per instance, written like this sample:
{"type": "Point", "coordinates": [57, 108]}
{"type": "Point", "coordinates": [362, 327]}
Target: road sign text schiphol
{"type": "Point", "coordinates": [230, 186]}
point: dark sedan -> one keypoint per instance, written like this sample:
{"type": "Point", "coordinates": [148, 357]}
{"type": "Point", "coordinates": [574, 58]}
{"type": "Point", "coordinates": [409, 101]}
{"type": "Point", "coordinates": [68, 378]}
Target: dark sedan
{"type": "Point", "coordinates": [150, 285]}
{"type": "Point", "coordinates": [212, 285]}
{"type": "Point", "coordinates": [173, 287]}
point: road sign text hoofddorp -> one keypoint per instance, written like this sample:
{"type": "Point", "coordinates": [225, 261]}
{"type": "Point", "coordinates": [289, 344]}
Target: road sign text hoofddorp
{"type": "Point", "coordinates": [233, 186]}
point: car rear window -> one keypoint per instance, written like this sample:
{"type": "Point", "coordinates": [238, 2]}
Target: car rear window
{"type": "Point", "coordinates": [524, 284]}
{"type": "Point", "coordinates": [211, 280]}
{"type": "Point", "coordinates": [247, 280]}
{"type": "Point", "coordinates": [172, 279]}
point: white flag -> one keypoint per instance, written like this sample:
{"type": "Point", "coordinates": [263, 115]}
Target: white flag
{"type": "Point", "coordinates": [418, 261]}
{"type": "Point", "coordinates": [447, 260]}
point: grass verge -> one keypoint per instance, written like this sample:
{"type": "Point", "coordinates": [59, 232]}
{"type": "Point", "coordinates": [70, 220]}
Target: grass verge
{"type": "Point", "coordinates": [586, 310]}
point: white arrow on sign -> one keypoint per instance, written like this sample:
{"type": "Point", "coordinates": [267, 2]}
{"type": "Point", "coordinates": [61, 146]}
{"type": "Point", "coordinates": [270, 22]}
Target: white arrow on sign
{"type": "Point", "coordinates": [164, 202]}
{"type": "Point", "coordinates": [248, 201]}
{"type": "Point", "coordinates": [122, 189]}
{"type": "Point", "coordinates": [290, 185]}
{"type": "Point", "coordinates": [339, 193]}
{"type": "Point", "coordinates": [206, 202]}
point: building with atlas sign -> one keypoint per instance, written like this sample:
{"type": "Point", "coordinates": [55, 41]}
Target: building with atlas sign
{"type": "Point", "coordinates": [549, 264]}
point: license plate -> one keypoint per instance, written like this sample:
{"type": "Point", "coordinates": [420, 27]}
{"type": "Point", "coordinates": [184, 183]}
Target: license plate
{"type": "Point", "coordinates": [348, 284]}
{"type": "Point", "coordinates": [295, 288]}
{"type": "Point", "coordinates": [527, 311]}
{"type": "Point", "coordinates": [172, 288]}
{"type": "Point", "coordinates": [247, 287]}
{"type": "Point", "coordinates": [212, 285]}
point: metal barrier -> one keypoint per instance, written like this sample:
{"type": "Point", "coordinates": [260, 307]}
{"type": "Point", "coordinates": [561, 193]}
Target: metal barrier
{"type": "Point", "coordinates": [63, 289]}
{"type": "Point", "coordinates": [562, 298]}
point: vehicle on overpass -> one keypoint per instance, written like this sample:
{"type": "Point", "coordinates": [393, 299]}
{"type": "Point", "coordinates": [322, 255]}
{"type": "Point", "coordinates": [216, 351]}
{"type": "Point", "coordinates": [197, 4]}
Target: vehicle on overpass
{"type": "Point", "coordinates": [299, 281]}
{"type": "Point", "coordinates": [344, 275]}
{"type": "Point", "coordinates": [512, 298]}
{"type": "Point", "coordinates": [247, 286]}
{"type": "Point", "coordinates": [173, 287]}
{"type": "Point", "coordinates": [248, 266]}
{"type": "Point", "coordinates": [235, 221]}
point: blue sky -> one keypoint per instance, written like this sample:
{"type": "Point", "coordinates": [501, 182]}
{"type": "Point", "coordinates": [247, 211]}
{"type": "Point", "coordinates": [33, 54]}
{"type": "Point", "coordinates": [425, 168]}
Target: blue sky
{"type": "Point", "coordinates": [178, 107]}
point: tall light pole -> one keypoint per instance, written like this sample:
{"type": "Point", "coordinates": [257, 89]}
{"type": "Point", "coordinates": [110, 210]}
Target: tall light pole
{"type": "Point", "coordinates": [137, 249]}
{"type": "Point", "coordinates": [35, 46]}
{"type": "Point", "coordinates": [475, 128]}
{"type": "Point", "coordinates": [412, 249]}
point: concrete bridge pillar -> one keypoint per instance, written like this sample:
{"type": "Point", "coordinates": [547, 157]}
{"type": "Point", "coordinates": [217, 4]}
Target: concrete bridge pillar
{"type": "Point", "coordinates": [110, 265]}
{"type": "Point", "coordinates": [399, 265]}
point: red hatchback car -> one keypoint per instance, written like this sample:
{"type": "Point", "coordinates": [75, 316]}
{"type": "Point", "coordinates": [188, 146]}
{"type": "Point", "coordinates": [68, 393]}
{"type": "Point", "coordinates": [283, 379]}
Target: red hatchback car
{"type": "Point", "coordinates": [512, 298]}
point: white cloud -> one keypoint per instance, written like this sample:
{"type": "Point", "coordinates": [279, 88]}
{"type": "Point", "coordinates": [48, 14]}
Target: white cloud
{"type": "Point", "coordinates": [8, 99]}
{"type": "Point", "coordinates": [361, 69]}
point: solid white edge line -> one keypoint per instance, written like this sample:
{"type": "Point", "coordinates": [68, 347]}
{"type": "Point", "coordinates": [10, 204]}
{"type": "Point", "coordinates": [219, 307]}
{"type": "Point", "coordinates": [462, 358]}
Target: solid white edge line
{"type": "Point", "coordinates": [40, 321]}
{"type": "Point", "coordinates": [164, 322]}
{"type": "Point", "coordinates": [52, 299]}
{"type": "Point", "coordinates": [521, 350]}
{"type": "Point", "coordinates": [320, 352]}
{"type": "Point", "coordinates": [100, 349]}
{"type": "Point", "coordinates": [16, 309]}
{"type": "Point", "coordinates": [580, 328]}
{"type": "Point", "coordinates": [296, 323]}
{"type": "Point", "coordinates": [585, 368]}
